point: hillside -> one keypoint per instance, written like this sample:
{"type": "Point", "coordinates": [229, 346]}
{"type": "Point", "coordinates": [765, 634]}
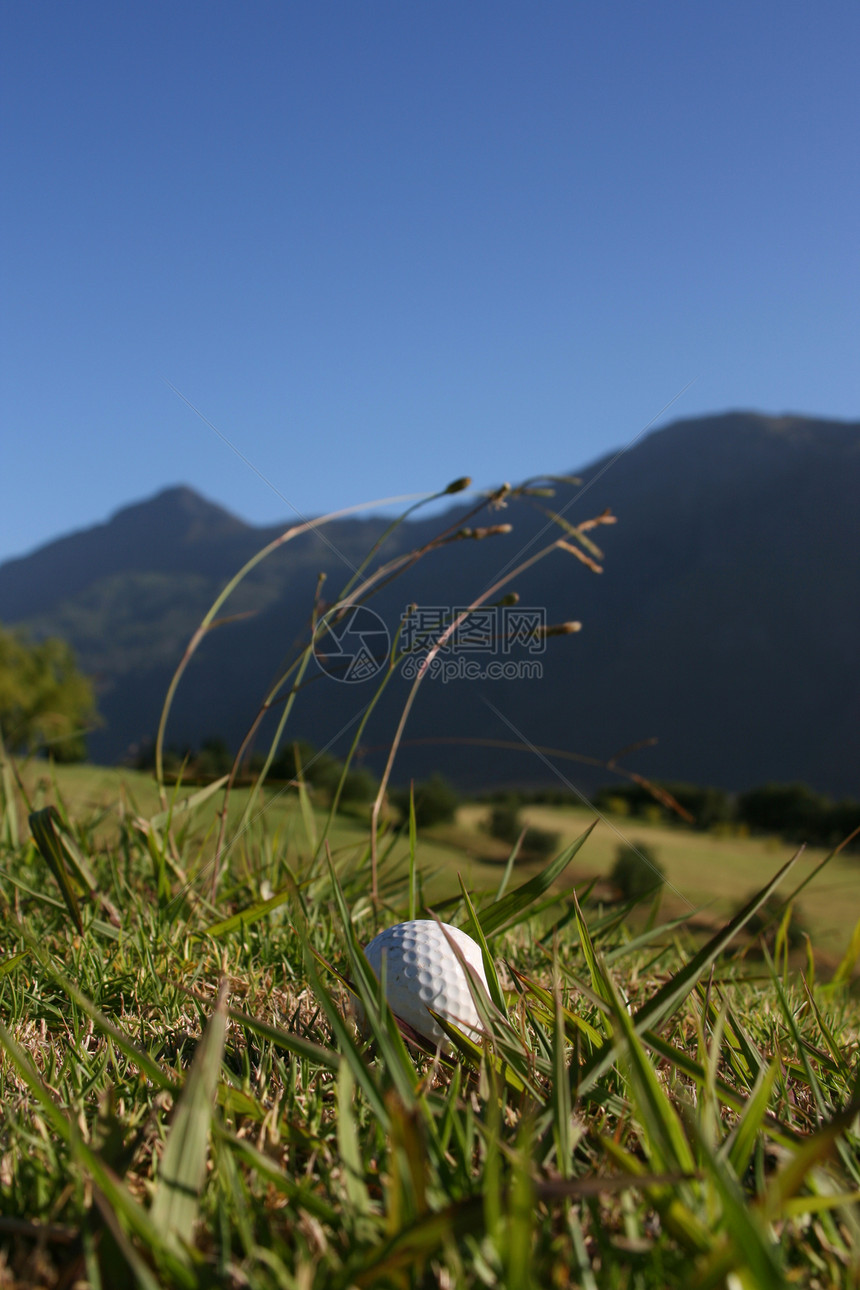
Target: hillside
{"type": "Point", "coordinates": [726, 623]}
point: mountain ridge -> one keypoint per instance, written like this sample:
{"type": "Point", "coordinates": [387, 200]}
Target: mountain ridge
{"type": "Point", "coordinates": [724, 623]}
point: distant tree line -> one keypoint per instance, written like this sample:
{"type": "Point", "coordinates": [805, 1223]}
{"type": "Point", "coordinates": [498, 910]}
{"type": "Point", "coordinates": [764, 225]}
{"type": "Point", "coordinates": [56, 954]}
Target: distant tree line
{"type": "Point", "coordinates": [436, 801]}
{"type": "Point", "coordinates": [214, 758]}
{"type": "Point", "coordinates": [794, 812]}
{"type": "Point", "coordinates": [790, 811]}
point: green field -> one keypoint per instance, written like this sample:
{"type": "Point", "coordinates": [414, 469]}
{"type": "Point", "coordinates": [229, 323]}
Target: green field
{"type": "Point", "coordinates": [187, 1101]}
{"type": "Point", "coordinates": [706, 873]}
{"type": "Point", "coordinates": [713, 873]}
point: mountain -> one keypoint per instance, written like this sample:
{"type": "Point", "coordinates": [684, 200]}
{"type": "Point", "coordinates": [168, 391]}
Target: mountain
{"type": "Point", "coordinates": [725, 624]}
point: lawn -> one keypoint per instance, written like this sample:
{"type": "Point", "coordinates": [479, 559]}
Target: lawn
{"type": "Point", "coordinates": [187, 1101]}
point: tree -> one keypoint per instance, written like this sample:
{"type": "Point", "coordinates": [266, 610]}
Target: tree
{"type": "Point", "coordinates": [46, 704]}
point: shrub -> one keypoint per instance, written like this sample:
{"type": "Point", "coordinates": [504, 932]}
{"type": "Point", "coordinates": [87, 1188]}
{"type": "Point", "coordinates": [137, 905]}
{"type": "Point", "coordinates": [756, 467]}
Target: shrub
{"type": "Point", "coordinates": [505, 824]}
{"type": "Point", "coordinates": [322, 771]}
{"type": "Point", "coordinates": [708, 806]}
{"type": "Point", "coordinates": [636, 872]}
{"type": "Point", "coordinates": [300, 759]}
{"type": "Point", "coordinates": [436, 802]}
{"type": "Point", "coordinates": [359, 786]}
{"type": "Point", "coordinates": [798, 814]}
{"type": "Point", "coordinates": [539, 843]}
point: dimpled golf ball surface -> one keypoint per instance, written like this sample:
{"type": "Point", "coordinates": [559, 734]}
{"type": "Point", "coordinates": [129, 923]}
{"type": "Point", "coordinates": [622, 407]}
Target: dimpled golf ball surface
{"type": "Point", "coordinates": [422, 971]}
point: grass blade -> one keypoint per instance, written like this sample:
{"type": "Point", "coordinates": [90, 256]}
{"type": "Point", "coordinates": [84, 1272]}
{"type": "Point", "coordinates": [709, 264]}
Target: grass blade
{"type": "Point", "coordinates": [492, 975]}
{"type": "Point", "coordinates": [743, 1140]}
{"type": "Point", "coordinates": [183, 1165]}
{"type": "Point", "coordinates": [515, 908]}
{"type": "Point", "coordinates": [145, 1064]}
{"type": "Point", "coordinates": [666, 1142]}
{"type": "Point", "coordinates": [177, 812]}
{"type": "Point", "coordinates": [9, 965]}
{"type": "Point", "coordinates": [849, 959]}
{"type": "Point", "coordinates": [9, 830]}
{"type": "Point", "coordinates": [475, 1053]}
{"type": "Point", "coordinates": [677, 1217]}
{"type": "Point", "coordinates": [413, 846]}
{"type": "Point", "coordinates": [251, 914]}
{"type": "Point", "coordinates": [509, 866]}
{"type": "Point", "coordinates": [521, 1216]}
{"type": "Point", "coordinates": [665, 1001]}
{"type": "Point", "coordinates": [298, 1045]}
{"type": "Point", "coordinates": [307, 810]}
{"type": "Point", "coordinates": [56, 856]}
{"type": "Point", "coordinates": [810, 1153]}
{"type": "Point", "coordinates": [415, 1243]}
{"type": "Point", "coordinates": [561, 1095]}
{"type": "Point", "coordinates": [752, 1247]}
{"type": "Point", "coordinates": [836, 1052]}
{"type": "Point", "coordinates": [573, 1022]}
{"type": "Point", "coordinates": [348, 1142]}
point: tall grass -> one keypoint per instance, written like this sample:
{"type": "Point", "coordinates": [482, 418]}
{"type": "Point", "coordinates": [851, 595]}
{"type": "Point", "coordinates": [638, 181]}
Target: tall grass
{"type": "Point", "coordinates": [186, 1100]}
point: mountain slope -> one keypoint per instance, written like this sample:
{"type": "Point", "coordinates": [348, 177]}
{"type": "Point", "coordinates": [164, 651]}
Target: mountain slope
{"type": "Point", "coordinates": [726, 623]}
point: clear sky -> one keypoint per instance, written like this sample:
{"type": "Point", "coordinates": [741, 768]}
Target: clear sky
{"type": "Point", "coordinates": [383, 244]}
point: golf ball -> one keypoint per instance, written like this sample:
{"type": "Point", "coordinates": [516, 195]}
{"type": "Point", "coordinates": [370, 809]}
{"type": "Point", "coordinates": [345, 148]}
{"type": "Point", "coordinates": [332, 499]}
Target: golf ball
{"type": "Point", "coordinates": [422, 971]}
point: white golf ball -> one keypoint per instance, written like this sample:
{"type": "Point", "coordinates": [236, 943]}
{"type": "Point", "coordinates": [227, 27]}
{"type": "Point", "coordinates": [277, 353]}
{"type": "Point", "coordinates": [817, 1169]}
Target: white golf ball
{"type": "Point", "coordinates": [422, 971]}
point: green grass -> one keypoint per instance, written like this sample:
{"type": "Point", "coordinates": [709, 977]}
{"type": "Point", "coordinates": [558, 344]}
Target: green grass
{"type": "Point", "coordinates": [186, 1101]}
{"type": "Point", "coordinates": [709, 872]}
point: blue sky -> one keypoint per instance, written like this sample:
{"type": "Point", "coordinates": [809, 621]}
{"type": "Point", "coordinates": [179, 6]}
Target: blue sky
{"type": "Point", "coordinates": [380, 245]}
